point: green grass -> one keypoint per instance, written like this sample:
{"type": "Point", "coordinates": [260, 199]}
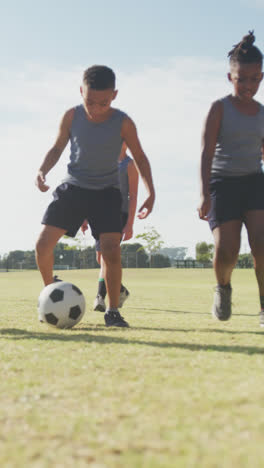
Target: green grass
{"type": "Point", "coordinates": [177, 389]}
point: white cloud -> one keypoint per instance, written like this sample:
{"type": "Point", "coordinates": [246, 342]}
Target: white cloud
{"type": "Point", "coordinates": [168, 104]}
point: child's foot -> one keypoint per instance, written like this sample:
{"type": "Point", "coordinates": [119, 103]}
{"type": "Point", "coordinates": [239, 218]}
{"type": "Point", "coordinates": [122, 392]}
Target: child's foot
{"type": "Point", "coordinates": [56, 279]}
{"type": "Point", "coordinates": [261, 318]}
{"type": "Point", "coordinates": [99, 303]}
{"type": "Point", "coordinates": [114, 319]}
{"type": "Point", "coordinates": [222, 302]}
{"type": "Point", "coordinates": [123, 296]}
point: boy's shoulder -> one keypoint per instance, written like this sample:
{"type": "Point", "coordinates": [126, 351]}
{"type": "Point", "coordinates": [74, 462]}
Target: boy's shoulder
{"type": "Point", "coordinates": [260, 105]}
{"type": "Point", "coordinates": [67, 118]}
{"type": "Point", "coordinates": [120, 113]}
{"type": "Point", "coordinates": [217, 106]}
{"type": "Point", "coordinates": [220, 101]}
{"type": "Point", "coordinates": [69, 113]}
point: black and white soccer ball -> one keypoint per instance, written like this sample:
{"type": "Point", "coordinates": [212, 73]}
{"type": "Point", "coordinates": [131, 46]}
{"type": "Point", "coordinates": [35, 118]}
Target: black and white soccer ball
{"type": "Point", "coordinates": [61, 305]}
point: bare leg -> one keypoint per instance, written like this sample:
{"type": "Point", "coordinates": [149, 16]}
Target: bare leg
{"type": "Point", "coordinates": [227, 244]}
{"type": "Point", "coordinates": [46, 242]}
{"type": "Point", "coordinates": [111, 255]}
{"type": "Point", "coordinates": [100, 262]}
{"type": "Point", "coordinates": [254, 221]}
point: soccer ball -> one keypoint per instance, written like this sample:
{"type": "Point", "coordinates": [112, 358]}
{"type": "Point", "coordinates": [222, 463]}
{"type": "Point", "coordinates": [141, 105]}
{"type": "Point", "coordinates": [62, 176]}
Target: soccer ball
{"type": "Point", "coordinates": [61, 305]}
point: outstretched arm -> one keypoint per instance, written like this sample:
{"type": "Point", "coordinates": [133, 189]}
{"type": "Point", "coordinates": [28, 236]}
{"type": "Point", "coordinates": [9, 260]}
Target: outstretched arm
{"type": "Point", "coordinates": [55, 152]}
{"type": "Point", "coordinates": [130, 136]}
{"type": "Point", "coordinates": [133, 192]}
{"type": "Point", "coordinates": [209, 139]}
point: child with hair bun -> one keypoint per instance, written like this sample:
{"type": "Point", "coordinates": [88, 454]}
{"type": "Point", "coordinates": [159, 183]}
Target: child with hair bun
{"type": "Point", "coordinates": [232, 181]}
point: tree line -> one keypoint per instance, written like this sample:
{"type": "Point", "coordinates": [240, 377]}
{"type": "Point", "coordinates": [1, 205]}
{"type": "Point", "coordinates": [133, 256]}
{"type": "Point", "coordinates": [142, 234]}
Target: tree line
{"type": "Point", "coordinates": [150, 255]}
{"type": "Point", "coordinates": [205, 252]}
{"type": "Point", "coordinates": [66, 256]}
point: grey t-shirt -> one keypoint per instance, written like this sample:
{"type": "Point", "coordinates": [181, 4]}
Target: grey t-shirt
{"type": "Point", "coordinates": [238, 147]}
{"type": "Point", "coordinates": [95, 149]}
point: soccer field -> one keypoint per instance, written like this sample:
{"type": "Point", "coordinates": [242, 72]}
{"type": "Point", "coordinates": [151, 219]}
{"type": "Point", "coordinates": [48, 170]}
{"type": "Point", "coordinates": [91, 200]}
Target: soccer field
{"type": "Point", "coordinates": [177, 389]}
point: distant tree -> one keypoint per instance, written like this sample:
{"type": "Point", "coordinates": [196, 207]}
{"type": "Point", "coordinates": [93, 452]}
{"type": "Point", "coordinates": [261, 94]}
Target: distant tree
{"type": "Point", "coordinates": [204, 252]}
{"type": "Point", "coordinates": [74, 256]}
{"type": "Point", "coordinates": [176, 253]}
{"type": "Point", "coordinates": [18, 259]}
{"type": "Point", "coordinates": [245, 261]}
{"type": "Point", "coordinates": [133, 256]}
{"type": "Point", "coordinates": [152, 240]}
{"type": "Point", "coordinates": [29, 262]}
{"type": "Point", "coordinates": [160, 261]}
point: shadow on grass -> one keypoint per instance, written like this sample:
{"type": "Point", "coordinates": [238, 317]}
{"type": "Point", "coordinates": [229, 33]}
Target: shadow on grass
{"type": "Point", "coordinates": [150, 309]}
{"type": "Point", "coordinates": [18, 334]}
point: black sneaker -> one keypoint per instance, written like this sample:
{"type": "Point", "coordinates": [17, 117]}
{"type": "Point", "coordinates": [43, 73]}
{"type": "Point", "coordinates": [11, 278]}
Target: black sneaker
{"type": "Point", "coordinates": [114, 319]}
{"type": "Point", "coordinates": [222, 307]}
{"type": "Point", "coordinates": [56, 279]}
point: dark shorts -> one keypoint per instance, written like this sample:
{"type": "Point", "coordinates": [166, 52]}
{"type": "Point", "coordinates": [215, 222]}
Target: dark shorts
{"type": "Point", "coordinates": [232, 197]}
{"type": "Point", "coordinates": [71, 205]}
{"type": "Point", "coordinates": [124, 217]}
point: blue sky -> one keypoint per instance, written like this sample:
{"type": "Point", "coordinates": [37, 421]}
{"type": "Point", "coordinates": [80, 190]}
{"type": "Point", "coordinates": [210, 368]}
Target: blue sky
{"type": "Point", "coordinates": [170, 60]}
{"type": "Point", "coordinates": [126, 34]}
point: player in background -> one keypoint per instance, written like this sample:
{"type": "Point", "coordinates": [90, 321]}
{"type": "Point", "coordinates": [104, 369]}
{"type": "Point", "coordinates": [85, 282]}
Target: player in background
{"type": "Point", "coordinates": [232, 181]}
{"type": "Point", "coordinates": [90, 189]}
{"type": "Point", "coordinates": [128, 177]}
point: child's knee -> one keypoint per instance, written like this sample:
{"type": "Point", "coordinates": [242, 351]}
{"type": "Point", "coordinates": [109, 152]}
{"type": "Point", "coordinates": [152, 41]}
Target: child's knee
{"type": "Point", "coordinates": [226, 254]}
{"type": "Point", "coordinates": [43, 246]}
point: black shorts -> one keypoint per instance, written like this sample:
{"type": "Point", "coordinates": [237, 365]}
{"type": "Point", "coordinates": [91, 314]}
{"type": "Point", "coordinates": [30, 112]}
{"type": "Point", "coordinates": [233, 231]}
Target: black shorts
{"type": "Point", "coordinates": [232, 197]}
{"type": "Point", "coordinates": [124, 217]}
{"type": "Point", "coordinates": [71, 205]}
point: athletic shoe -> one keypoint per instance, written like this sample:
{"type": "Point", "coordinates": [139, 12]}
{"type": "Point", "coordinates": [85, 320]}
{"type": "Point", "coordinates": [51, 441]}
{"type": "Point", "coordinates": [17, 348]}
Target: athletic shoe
{"type": "Point", "coordinates": [123, 297]}
{"type": "Point", "coordinates": [114, 319]}
{"type": "Point", "coordinates": [56, 279]}
{"type": "Point", "coordinates": [222, 302]}
{"type": "Point", "coordinates": [261, 318]}
{"type": "Point", "coordinates": [99, 303]}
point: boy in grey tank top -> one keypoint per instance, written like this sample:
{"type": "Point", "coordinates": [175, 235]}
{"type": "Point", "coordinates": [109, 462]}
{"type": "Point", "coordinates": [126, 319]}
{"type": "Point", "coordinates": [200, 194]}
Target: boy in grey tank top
{"type": "Point", "coordinates": [232, 181]}
{"type": "Point", "coordinates": [90, 189]}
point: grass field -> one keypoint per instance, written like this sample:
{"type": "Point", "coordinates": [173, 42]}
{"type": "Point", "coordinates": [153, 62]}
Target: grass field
{"type": "Point", "coordinates": [177, 389]}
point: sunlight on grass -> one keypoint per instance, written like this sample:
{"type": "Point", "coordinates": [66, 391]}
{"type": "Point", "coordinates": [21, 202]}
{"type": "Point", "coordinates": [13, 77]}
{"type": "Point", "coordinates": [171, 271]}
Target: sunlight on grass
{"type": "Point", "coordinates": [177, 389]}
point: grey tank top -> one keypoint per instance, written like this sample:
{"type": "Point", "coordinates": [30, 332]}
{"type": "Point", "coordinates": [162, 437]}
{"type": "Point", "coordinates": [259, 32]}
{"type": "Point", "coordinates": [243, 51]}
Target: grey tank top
{"type": "Point", "coordinates": [124, 183]}
{"type": "Point", "coordinates": [238, 147]}
{"type": "Point", "coordinates": [95, 149]}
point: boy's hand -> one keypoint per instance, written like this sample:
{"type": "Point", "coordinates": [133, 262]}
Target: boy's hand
{"type": "Point", "coordinates": [127, 232]}
{"type": "Point", "coordinates": [84, 226]}
{"type": "Point", "coordinates": [204, 207]}
{"type": "Point", "coordinates": [146, 208]}
{"type": "Point", "coordinates": [40, 182]}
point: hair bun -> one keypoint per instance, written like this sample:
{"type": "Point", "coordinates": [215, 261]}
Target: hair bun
{"type": "Point", "coordinates": [247, 41]}
{"type": "Point", "coordinates": [244, 45]}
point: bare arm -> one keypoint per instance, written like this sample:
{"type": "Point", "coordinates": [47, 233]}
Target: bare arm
{"type": "Point", "coordinates": [129, 134]}
{"type": "Point", "coordinates": [209, 139]}
{"type": "Point", "coordinates": [55, 152]}
{"type": "Point", "coordinates": [133, 192]}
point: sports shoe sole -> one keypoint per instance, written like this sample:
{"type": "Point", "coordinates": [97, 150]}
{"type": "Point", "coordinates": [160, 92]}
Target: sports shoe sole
{"type": "Point", "coordinates": [99, 308]}
{"type": "Point", "coordinates": [123, 300]}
